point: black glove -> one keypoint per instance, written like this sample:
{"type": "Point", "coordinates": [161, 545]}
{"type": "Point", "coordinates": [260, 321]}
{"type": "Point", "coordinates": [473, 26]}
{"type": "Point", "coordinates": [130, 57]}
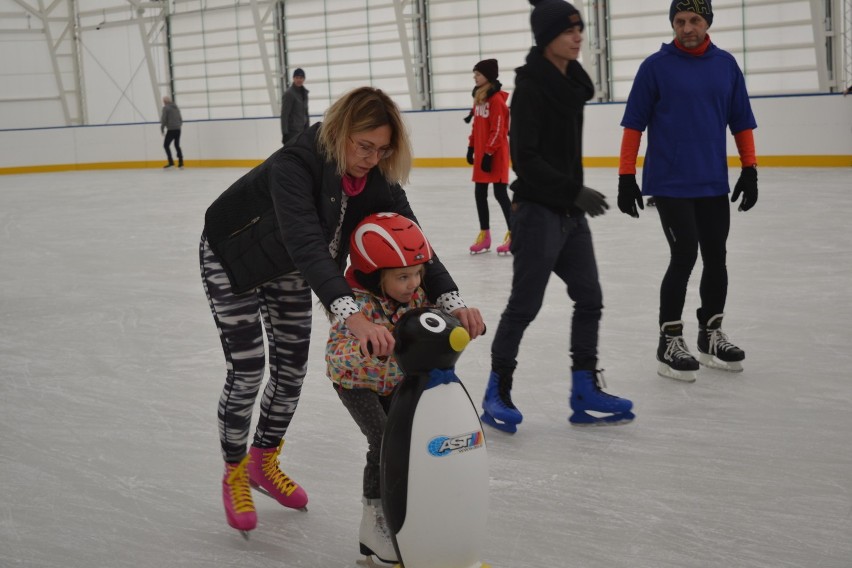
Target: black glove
{"type": "Point", "coordinates": [591, 201]}
{"type": "Point", "coordinates": [629, 195]}
{"type": "Point", "coordinates": [470, 155]}
{"type": "Point", "coordinates": [469, 117]}
{"type": "Point", "coordinates": [747, 185]}
{"type": "Point", "coordinates": [486, 162]}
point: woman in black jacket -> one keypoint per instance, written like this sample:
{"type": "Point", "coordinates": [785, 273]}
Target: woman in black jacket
{"type": "Point", "coordinates": [278, 233]}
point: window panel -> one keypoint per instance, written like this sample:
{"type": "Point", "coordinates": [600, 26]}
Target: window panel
{"type": "Point", "coordinates": [222, 59]}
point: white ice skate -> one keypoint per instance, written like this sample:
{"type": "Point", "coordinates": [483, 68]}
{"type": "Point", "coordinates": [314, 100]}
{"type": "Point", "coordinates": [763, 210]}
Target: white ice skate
{"type": "Point", "coordinates": [375, 538]}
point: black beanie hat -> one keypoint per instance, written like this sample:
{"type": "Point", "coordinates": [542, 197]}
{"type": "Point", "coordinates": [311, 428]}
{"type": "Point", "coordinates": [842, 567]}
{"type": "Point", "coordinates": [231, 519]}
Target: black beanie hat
{"type": "Point", "coordinates": [550, 18]}
{"type": "Point", "coordinates": [488, 68]}
{"type": "Point", "coordinates": [700, 7]}
{"type": "Point", "coordinates": [299, 72]}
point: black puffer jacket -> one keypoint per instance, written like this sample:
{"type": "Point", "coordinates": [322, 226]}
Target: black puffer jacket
{"type": "Point", "coordinates": [546, 132]}
{"type": "Point", "coordinates": [281, 216]}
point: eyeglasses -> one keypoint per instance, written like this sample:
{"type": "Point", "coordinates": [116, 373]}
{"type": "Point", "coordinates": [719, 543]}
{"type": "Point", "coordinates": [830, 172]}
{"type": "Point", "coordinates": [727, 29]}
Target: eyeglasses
{"type": "Point", "coordinates": [363, 150]}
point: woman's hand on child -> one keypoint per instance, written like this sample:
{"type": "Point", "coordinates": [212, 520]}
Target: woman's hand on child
{"type": "Point", "coordinates": [376, 340]}
{"type": "Point", "coordinates": [471, 320]}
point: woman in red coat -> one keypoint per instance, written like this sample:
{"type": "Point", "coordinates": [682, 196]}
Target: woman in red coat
{"type": "Point", "coordinates": [488, 151]}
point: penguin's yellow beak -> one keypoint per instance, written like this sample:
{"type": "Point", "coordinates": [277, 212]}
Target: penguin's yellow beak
{"type": "Point", "coordinates": [459, 339]}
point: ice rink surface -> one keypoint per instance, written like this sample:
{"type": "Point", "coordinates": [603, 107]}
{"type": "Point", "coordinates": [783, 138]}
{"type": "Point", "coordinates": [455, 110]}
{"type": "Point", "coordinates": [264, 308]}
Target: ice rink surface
{"type": "Point", "coordinates": [111, 368]}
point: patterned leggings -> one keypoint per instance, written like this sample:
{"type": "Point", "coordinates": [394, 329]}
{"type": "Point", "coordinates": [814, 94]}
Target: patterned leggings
{"type": "Point", "coordinates": [281, 306]}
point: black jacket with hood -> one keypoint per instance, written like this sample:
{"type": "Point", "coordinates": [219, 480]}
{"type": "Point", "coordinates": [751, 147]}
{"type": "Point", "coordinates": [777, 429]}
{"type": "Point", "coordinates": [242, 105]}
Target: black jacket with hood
{"type": "Point", "coordinates": [546, 132]}
{"type": "Point", "coordinates": [281, 216]}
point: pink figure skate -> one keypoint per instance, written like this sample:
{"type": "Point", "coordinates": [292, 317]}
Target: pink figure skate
{"type": "Point", "coordinates": [236, 494]}
{"type": "Point", "coordinates": [507, 243]}
{"type": "Point", "coordinates": [266, 476]}
{"type": "Point", "coordinates": [482, 242]}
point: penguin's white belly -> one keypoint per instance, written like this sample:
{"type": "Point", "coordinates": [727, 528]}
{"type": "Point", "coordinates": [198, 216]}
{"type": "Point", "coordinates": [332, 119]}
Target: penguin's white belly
{"type": "Point", "coordinates": [447, 497]}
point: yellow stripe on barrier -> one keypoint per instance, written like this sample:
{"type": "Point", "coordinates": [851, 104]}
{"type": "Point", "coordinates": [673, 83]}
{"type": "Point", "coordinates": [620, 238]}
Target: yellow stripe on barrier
{"type": "Point", "coordinates": [589, 162]}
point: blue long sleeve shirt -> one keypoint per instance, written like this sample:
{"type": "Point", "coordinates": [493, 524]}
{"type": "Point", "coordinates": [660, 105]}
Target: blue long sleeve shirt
{"type": "Point", "coordinates": [686, 102]}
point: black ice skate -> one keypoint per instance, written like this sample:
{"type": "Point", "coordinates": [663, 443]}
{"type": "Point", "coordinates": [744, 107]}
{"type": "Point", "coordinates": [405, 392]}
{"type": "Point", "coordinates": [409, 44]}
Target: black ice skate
{"type": "Point", "coordinates": [676, 362]}
{"type": "Point", "coordinates": [714, 349]}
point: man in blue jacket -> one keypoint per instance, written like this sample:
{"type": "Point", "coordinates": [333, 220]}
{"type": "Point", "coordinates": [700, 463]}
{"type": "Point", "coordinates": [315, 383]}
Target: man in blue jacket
{"type": "Point", "coordinates": [686, 95]}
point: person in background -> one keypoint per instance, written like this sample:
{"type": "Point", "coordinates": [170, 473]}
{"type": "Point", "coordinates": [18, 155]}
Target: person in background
{"type": "Point", "coordinates": [550, 229]}
{"type": "Point", "coordinates": [279, 233]}
{"type": "Point", "coordinates": [295, 118]}
{"type": "Point", "coordinates": [488, 151]}
{"type": "Point", "coordinates": [170, 125]}
{"type": "Point", "coordinates": [686, 95]}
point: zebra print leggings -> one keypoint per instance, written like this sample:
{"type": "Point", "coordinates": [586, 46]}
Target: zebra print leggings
{"type": "Point", "coordinates": [281, 306]}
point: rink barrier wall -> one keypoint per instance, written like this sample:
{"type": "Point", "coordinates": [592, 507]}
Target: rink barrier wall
{"type": "Point", "coordinates": [793, 131]}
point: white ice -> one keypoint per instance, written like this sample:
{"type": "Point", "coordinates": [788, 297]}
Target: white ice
{"type": "Point", "coordinates": [111, 368]}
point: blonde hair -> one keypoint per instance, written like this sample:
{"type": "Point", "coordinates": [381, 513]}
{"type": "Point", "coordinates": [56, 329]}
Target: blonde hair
{"type": "Point", "coordinates": [361, 110]}
{"type": "Point", "coordinates": [481, 94]}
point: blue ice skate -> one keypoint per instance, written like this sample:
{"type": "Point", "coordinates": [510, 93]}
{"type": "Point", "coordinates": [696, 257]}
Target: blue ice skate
{"type": "Point", "coordinates": [498, 410]}
{"type": "Point", "coordinates": [587, 394]}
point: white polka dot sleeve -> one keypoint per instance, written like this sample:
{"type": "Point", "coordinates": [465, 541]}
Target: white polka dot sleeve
{"type": "Point", "coordinates": [450, 302]}
{"type": "Point", "coordinates": [343, 307]}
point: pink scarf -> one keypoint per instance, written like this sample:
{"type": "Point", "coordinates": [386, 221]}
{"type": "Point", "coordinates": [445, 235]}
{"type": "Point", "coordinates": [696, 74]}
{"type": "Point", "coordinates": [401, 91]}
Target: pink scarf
{"type": "Point", "coordinates": [352, 186]}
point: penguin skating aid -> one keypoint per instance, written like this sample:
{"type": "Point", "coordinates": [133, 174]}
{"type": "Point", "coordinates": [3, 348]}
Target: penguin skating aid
{"type": "Point", "coordinates": [434, 463]}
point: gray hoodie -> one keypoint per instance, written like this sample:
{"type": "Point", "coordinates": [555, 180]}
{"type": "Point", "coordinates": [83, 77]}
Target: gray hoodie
{"type": "Point", "coordinates": [170, 119]}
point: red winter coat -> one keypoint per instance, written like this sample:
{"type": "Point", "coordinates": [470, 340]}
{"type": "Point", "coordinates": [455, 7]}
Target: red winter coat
{"type": "Point", "coordinates": [490, 135]}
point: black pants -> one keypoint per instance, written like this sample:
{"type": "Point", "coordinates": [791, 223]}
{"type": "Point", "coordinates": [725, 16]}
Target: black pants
{"type": "Point", "coordinates": [480, 192]}
{"type": "Point", "coordinates": [545, 242]}
{"type": "Point", "coordinates": [370, 412]}
{"type": "Point", "coordinates": [173, 135]}
{"type": "Point", "coordinates": [691, 225]}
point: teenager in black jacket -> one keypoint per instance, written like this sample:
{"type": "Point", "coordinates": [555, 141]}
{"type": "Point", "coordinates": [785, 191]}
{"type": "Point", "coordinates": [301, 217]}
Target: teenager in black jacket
{"type": "Point", "coordinates": [550, 232]}
{"type": "Point", "coordinates": [278, 233]}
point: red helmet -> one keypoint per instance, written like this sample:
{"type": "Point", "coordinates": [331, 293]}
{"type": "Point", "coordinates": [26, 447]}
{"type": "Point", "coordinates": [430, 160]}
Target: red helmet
{"type": "Point", "coordinates": [387, 240]}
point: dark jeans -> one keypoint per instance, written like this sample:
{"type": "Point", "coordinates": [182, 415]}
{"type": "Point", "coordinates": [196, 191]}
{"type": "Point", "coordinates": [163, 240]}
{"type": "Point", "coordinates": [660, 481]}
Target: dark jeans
{"type": "Point", "coordinates": [173, 135]}
{"type": "Point", "coordinates": [544, 241]}
{"type": "Point", "coordinates": [691, 225]}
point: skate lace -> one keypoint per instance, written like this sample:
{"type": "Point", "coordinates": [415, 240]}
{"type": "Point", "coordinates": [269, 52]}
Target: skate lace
{"type": "Point", "coordinates": [719, 341]}
{"type": "Point", "coordinates": [676, 348]}
{"type": "Point", "coordinates": [504, 391]}
{"type": "Point", "coordinates": [508, 238]}
{"type": "Point", "coordinates": [383, 529]}
{"type": "Point", "coordinates": [600, 383]}
{"type": "Point", "coordinates": [239, 488]}
{"type": "Point", "coordinates": [479, 238]}
{"type": "Point", "coordinates": [272, 471]}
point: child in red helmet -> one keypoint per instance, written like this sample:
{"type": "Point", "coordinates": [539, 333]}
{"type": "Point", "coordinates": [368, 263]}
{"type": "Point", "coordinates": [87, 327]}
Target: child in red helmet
{"type": "Point", "coordinates": [388, 255]}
